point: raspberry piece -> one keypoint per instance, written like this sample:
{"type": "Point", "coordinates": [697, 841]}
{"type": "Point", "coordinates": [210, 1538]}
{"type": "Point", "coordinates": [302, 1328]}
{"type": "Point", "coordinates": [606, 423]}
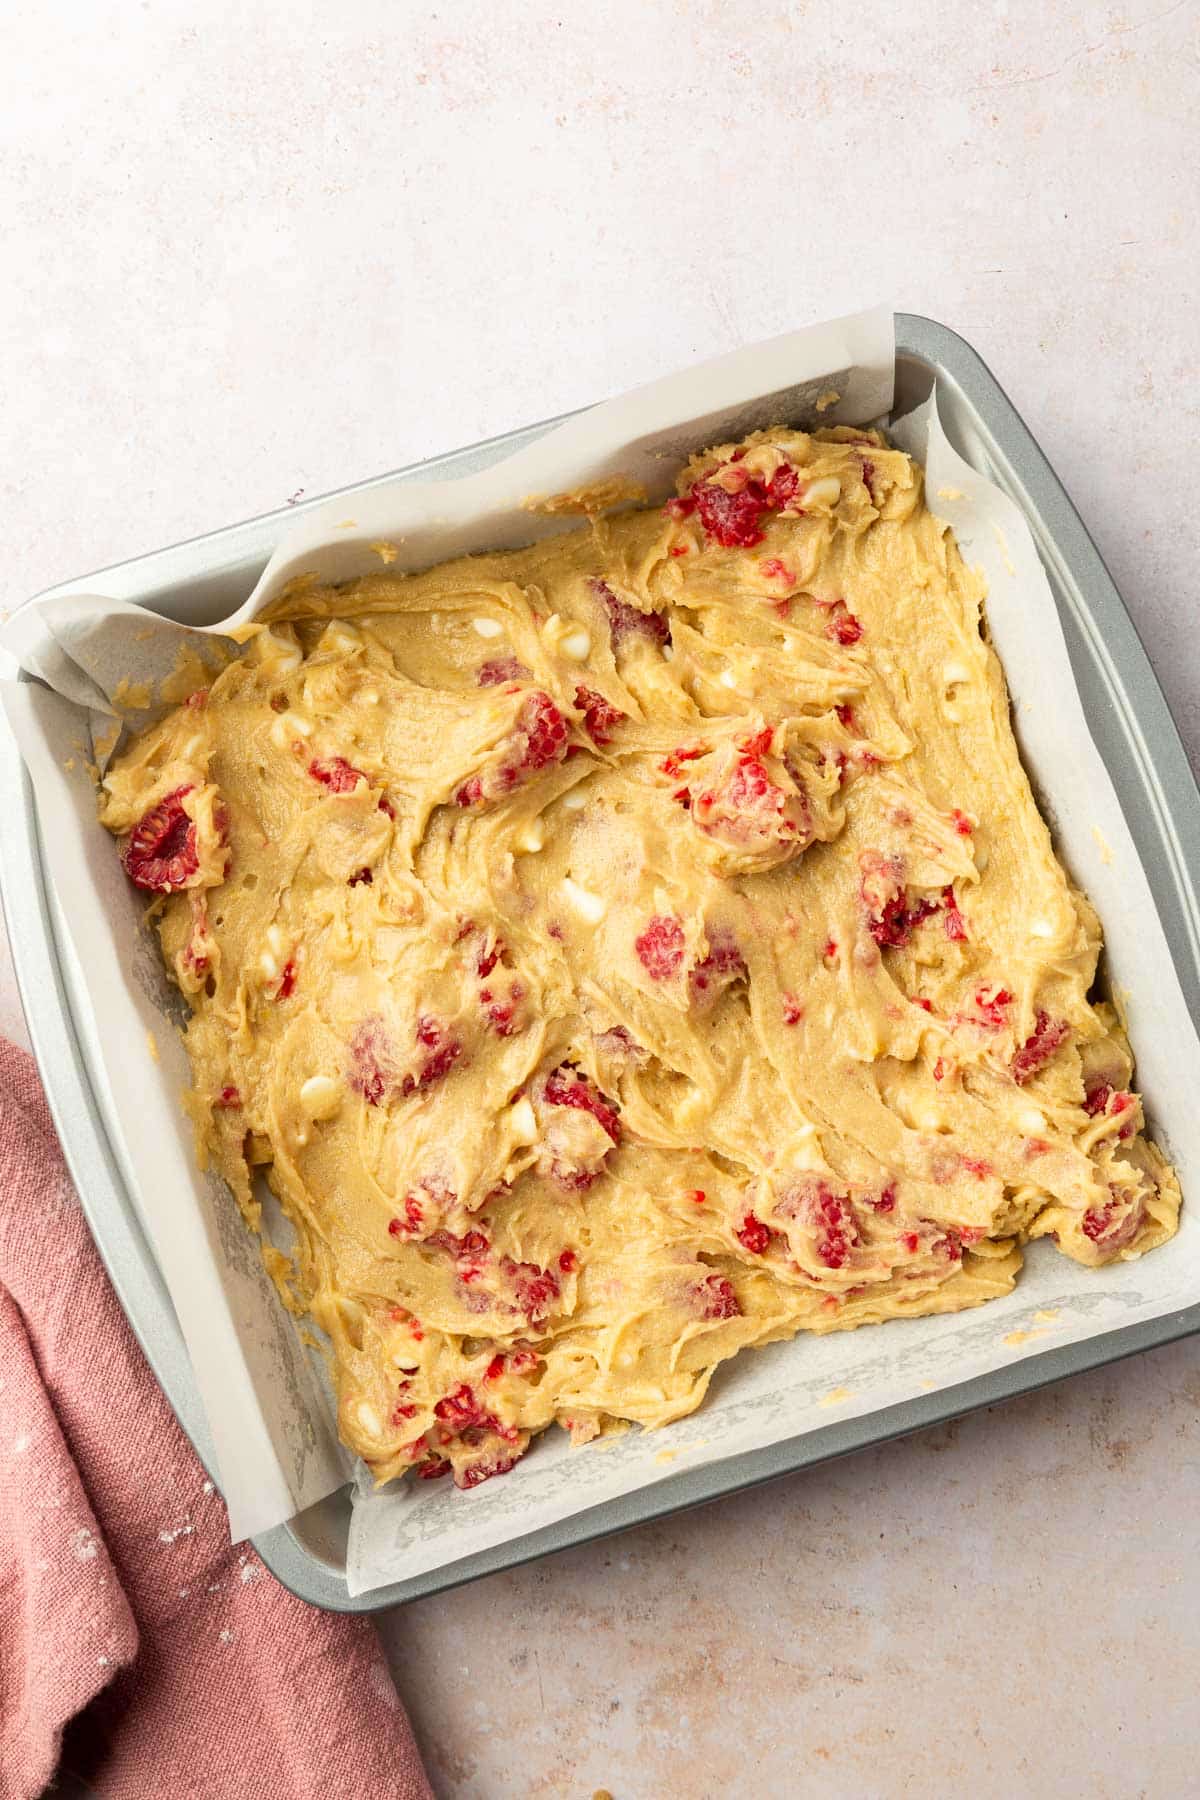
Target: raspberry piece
{"type": "Point", "coordinates": [599, 715]}
{"type": "Point", "coordinates": [697, 1196]}
{"type": "Point", "coordinates": [1111, 1102]}
{"type": "Point", "coordinates": [743, 808]}
{"type": "Point", "coordinates": [444, 1052]}
{"type": "Point", "coordinates": [499, 669]}
{"type": "Point", "coordinates": [161, 854]}
{"type": "Point", "coordinates": [992, 1005]}
{"type": "Point", "coordinates": [843, 627]}
{"type": "Point", "coordinates": [461, 1409]}
{"type": "Point", "coordinates": [953, 922]}
{"type": "Point", "coordinates": [672, 763]}
{"type": "Point", "coordinates": [833, 1218]}
{"type": "Point", "coordinates": [566, 1086]}
{"type": "Point", "coordinates": [891, 921]}
{"type": "Point", "coordinates": [362, 878]}
{"type": "Point", "coordinates": [828, 1215]}
{"type": "Point", "coordinates": [716, 1298]}
{"type": "Point", "coordinates": [793, 1010]}
{"type": "Point", "coordinates": [403, 1409]}
{"type": "Point", "coordinates": [287, 981]}
{"type": "Point", "coordinates": [544, 729]}
{"type": "Point", "coordinates": [1096, 1221]}
{"type": "Point", "coordinates": [732, 519]}
{"type": "Point", "coordinates": [336, 774]}
{"type": "Point", "coordinates": [410, 1224]}
{"type": "Point", "coordinates": [977, 1166]}
{"type": "Point", "coordinates": [535, 1289]}
{"type": "Point", "coordinates": [626, 621]}
{"type": "Point", "coordinates": [962, 824]}
{"type": "Point", "coordinates": [502, 1014]}
{"type": "Point", "coordinates": [660, 947]}
{"type": "Point", "coordinates": [432, 1468]}
{"type": "Point", "coordinates": [775, 570]}
{"type": "Point", "coordinates": [735, 519]}
{"type": "Point", "coordinates": [868, 475]}
{"type": "Point", "coordinates": [229, 1099]}
{"type": "Point", "coordinates": [723, 964]}
{"type": "Point", "coordinates": [1114, 1225]}
{"type": "Point", "coordinates": [499, 1462]}
{"type": "Point", "coordinates": [782, 487]}
{"type": "Point", "coordinates": [753, 1235]}
{"type": "Point", "coordinates": [1048, 1036]}
{"type": "Point", "coordinates": [371, 1062]}
{"type": "Point", "coordinates": [1097, 1099]}
{"type": "Point", "coordinates": [538, 738]}
{"type": "Point", "coordinates": [886, 1202]}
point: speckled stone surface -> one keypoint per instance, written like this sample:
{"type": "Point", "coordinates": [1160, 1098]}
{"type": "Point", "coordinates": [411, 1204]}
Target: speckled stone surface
{"type": "Point", "coordinates": [251, 250]}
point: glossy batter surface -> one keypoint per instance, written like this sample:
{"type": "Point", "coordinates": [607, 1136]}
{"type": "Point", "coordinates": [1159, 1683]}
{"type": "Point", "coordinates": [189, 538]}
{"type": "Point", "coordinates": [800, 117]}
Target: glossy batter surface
{"type": "Point", "coordinates": [622, 951]}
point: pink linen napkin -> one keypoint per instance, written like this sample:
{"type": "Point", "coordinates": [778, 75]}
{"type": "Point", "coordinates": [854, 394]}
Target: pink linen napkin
{"type": "Point", "coordinates": [175, 1664]}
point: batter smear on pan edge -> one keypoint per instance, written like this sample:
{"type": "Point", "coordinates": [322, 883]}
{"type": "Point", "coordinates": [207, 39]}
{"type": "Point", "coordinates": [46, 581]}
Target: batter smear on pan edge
{"type": "Point", "coordinates": [636, 947]}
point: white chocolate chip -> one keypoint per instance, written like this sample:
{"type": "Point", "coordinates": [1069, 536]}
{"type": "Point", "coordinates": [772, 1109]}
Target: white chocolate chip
{"type": "Point", "coordinates": [727, 678]}
{"type": "Point", "coordinates": [806, 1151]}
{"type": "Point", "coordinates": [192, 748]}
{"type": "Point", "coordinates": [275, 939]}
{"type": "Point", "coordinates": [926, 1116]}
{"type": "Point", "coordinates": [954, 673]}
{"type": "Point", "coordinates": [1031, 1121]}
{"type": "Point", "coordinates": [1041, 928]}
{"type": "Point", "coordinates": [589, 906]}
{"type": "Point", "coordinates": [320, 1096]}
{"type": "Point", "coordinates": [369, 696]}
{"type": "Point", "coordinates": [288, 727]}
{"type": "Point", "coordinates": [575, 800]}
{"type": "Point", "coordinates": [693, 1107]}
{"type": "Point", "coordinates": [576, 644]}
{"type": "Point", "coordinates": [522, 1122]}
{"type": "Point", "coordinates": [278, 648]}
{"type": "Point", "coordinates": [825, 492]}
{"type": "Point", "coordinates": [532, 837]}
{"type": "Point", "coordinates": [368, 1418]}
{"type": "Point", "coordinates": [488, 628]}
{"type": "Point", "coordinates": [269, 966]}
{"type": "Point", "coordinates": [341, 637]}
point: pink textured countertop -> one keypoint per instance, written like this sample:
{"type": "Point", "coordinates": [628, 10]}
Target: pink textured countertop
{"type": "Point", "coordinates": [249, 256]}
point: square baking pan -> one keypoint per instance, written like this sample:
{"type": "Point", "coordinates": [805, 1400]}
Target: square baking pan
{"type": "Point", "coordinates": [205, 579]}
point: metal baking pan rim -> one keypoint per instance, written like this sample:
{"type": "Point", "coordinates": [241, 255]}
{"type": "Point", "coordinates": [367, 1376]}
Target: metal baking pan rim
{"type": "Point", "coordinates": [315, 1573]}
